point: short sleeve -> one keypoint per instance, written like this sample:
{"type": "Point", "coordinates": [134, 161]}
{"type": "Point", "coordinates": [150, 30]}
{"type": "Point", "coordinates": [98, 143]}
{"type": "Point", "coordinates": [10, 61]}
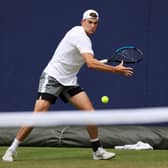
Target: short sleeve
{"type": "Point", "coordinates": [83, 43]}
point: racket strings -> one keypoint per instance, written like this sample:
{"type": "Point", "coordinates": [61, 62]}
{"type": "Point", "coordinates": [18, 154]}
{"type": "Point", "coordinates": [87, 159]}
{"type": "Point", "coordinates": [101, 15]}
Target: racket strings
{"type": "Point", "coordinates": [128, 55]}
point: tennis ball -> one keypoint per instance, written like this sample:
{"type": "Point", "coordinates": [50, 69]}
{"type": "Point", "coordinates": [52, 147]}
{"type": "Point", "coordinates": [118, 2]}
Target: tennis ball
{"type": "Point", "coordinates": [105, 99]}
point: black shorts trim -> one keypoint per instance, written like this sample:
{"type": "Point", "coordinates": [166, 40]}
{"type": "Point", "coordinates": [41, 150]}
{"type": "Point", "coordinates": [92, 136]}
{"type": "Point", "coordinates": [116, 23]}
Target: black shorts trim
{"type": "Point", "coordinates": [70, 92]}
{"type": "Point", "coordinates": [74, 90]}
{"type": "Point", "coordinates": [46, 96]}
{"type": "Point", "coordinates": [67, 93]}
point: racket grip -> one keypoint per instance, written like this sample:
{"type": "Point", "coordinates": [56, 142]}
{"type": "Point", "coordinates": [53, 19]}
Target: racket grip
{"type": "Point", "coordinates": [103, 61]}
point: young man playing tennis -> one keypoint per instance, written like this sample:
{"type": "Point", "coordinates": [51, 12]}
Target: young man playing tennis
{"type": "Point", "coordinates": [59, 80]}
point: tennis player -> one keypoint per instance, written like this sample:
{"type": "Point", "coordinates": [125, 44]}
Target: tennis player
{"type": "Point", "coordinates": [59, 79]}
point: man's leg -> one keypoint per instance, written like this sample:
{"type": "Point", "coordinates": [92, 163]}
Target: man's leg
{"type": "Point", "coordinates": [82, 102]}
{"type": "Point", "coordinates": [40, 106]}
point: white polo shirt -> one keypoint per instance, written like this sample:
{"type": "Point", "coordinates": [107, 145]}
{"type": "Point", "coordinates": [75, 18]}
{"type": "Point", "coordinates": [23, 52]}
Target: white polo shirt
{"type": "Point", "coordinates": [67, 59]}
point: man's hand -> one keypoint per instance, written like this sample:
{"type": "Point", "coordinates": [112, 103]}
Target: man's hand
{"type": "Point", "coordinates": [126, 71]}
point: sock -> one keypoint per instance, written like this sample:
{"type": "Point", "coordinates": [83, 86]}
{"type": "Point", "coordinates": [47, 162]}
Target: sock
{"type": "Point", "coordinates": [95, 144]}
{"type": "Point", "coordinates": [14, 145]}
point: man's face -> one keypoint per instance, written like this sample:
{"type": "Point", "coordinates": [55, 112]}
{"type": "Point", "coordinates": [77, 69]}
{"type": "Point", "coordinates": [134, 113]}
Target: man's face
{"type": "Point", "coordinates": [90, 25]}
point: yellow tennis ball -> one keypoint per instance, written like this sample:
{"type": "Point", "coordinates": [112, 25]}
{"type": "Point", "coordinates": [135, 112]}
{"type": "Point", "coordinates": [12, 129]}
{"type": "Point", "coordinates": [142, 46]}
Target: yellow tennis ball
{"type": "Point", "coordinates": [105, 99]}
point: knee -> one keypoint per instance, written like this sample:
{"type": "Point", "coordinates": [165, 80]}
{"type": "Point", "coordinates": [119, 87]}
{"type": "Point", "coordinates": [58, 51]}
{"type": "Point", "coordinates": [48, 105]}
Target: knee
{"type": "Point", "coordinates": [42, 105]}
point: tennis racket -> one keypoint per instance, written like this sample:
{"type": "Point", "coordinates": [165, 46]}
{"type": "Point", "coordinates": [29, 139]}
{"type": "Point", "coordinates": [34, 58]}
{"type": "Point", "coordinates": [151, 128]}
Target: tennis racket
{"type": "Point", "coordinates": [129, 54]}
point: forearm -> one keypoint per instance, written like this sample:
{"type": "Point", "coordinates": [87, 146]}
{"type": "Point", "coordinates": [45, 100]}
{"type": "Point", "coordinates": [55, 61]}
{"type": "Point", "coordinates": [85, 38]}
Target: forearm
{"type": "Point", "coordinates": [98, 65]}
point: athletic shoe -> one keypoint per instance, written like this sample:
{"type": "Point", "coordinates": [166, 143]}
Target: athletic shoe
{"type": "Point", "coordinates": [9, 155]}
{"type": "Point", "coordinates": [102, 154]}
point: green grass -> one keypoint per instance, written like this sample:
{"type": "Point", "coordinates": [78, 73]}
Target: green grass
{"type": "Point", "coordinates": [60, 157]}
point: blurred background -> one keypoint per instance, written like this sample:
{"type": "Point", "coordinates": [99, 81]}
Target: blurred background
{"type": "Point", "coordinates": [31, 29]}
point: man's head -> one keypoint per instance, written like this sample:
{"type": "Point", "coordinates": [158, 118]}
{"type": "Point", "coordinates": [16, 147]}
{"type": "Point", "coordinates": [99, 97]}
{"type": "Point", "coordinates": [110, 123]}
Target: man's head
{"type": "Point", "coordinates": [90, 21]}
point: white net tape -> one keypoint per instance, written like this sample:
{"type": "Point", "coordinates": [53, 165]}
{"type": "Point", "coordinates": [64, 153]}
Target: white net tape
{"type": "Point", "coordinates": [99, 117]}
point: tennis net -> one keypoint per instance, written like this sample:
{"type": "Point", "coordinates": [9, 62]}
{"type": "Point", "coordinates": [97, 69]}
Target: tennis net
{"type": "Point", "coordinates": [99, 117]}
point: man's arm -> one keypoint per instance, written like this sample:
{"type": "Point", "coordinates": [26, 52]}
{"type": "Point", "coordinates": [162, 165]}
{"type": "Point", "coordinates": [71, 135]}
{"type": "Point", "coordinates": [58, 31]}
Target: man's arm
{"type": "Point", "coordinates": [93, 63]}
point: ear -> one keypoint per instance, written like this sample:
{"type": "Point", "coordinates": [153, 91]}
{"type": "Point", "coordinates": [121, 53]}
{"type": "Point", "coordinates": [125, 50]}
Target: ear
{"type": "Point", "coordinates": [82, 21]}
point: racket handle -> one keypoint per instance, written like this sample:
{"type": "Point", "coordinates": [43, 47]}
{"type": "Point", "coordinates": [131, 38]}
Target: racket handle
{"type": "Point", "coordinates": [103, 61]}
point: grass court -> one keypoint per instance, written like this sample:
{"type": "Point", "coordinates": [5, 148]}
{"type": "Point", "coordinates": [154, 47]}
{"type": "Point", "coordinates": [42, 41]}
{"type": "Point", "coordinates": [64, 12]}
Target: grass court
{"type": "Point", "coordinates": [61, 157]}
